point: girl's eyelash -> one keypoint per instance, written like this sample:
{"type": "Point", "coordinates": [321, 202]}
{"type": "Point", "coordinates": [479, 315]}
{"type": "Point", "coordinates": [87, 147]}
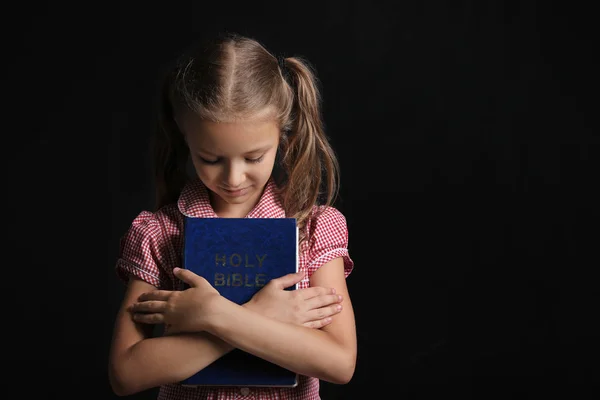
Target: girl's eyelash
{"type": "Point", "coordinates": [251, 160]}
{"type": "Point", "coordinates": [256, 160]}
{"type": "Point", "coordinates": [209, 161]}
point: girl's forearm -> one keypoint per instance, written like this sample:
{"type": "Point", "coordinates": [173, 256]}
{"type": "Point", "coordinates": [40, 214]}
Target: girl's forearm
{"type": "Point", "coordinates": [310, 352]}
{"type": "Point", "coordinates": [157, 361]}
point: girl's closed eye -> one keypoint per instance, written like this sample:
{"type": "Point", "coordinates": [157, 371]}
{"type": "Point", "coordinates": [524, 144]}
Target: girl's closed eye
{"type": "Point", "coordinates": [205, 161]}
{"type": "Point", "coordinates": [256, 160]}
{"type": "Point", "coordinates": [250, 160]}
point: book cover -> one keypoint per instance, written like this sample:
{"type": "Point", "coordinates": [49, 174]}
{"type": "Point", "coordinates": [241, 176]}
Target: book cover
{"type": "Point", "coordinates": [239, 256]}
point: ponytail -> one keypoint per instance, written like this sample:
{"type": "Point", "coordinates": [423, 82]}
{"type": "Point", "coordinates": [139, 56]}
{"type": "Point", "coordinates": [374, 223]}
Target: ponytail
{"type": "Point", "coordinates": [310, 162]}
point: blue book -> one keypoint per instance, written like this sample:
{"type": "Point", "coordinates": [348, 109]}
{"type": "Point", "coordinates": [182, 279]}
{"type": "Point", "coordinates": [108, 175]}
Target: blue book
{"type": "Point", "coordinates": [239, 256]}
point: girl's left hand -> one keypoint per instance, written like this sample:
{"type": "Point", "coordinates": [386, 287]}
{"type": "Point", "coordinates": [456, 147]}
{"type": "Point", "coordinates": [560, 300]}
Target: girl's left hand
{"type": "Point", "coordinates": [187, 310]}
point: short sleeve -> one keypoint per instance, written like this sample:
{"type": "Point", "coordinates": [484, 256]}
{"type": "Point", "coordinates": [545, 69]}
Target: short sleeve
{"type": "Point", "coordinates": [328, 240]}
{"type": "Point", "coordinates": [142, 252]}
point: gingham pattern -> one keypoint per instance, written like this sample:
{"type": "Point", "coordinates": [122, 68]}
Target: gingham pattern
{"type": "Point", "coordinates": [153, 246]}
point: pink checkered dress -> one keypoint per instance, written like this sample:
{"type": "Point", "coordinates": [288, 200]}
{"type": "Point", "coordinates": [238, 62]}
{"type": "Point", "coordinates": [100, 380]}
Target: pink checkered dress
{"type": "Point", "coordinates": [153, 246]}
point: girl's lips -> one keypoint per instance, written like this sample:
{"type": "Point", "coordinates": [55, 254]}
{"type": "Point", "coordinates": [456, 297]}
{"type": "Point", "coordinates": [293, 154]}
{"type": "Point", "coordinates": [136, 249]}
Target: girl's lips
{"type": "Point", "coordinates": [237, 192]}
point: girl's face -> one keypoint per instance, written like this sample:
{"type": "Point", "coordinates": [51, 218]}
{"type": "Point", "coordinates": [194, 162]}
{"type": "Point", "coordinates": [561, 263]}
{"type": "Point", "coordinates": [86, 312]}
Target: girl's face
{"type": "Point", "coordinates": [234, 160]}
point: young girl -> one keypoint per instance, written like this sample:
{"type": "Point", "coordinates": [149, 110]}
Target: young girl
{"type": "Point", "coordinates": [250, 124]}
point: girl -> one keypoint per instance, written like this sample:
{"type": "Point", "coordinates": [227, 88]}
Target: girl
{"type": "Point", "coordinates": [250, 124]}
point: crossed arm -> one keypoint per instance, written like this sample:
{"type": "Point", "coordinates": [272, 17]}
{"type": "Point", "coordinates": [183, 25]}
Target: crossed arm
{"type": "Point", "coordinates": [218, 326]}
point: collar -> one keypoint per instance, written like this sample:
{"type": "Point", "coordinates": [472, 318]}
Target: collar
{"type": "Point", "coordinates": [194, 202]}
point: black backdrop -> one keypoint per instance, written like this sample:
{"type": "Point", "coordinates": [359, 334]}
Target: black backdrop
{"type": "Point", "coordinates": [470, 168]}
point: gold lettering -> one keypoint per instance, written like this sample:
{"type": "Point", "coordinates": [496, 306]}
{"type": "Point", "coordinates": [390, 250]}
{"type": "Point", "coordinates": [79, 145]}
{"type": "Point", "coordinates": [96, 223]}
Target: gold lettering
{"type": "Point", "coordinates": [260, 280]}
{"type": "Point", "coordinates": [236, 279]}
{"type": "Point", "coordinates": [235, 260]}
{"type": "Point", "coordinates": [239, 260]}
{"type": "Point", "coordinates": [219, 279]}
{"type": "Point", "coordinates": [222, 260]}
{"type": "Point", "coordinates": [260, 259]}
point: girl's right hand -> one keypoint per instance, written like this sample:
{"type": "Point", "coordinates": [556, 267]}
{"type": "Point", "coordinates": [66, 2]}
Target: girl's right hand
{"type": "Point", "coordinates": [312, 307]}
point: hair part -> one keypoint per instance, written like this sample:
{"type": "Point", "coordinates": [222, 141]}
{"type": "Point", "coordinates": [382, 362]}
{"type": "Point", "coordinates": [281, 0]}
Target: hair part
{"type": "Point", "coordinates": [234, 78]}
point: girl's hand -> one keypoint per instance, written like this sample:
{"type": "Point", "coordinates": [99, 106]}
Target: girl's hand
{"type": "Point", "coordinates": [181, 310]}
{"type": "Point", "coordinates": [312, 307]}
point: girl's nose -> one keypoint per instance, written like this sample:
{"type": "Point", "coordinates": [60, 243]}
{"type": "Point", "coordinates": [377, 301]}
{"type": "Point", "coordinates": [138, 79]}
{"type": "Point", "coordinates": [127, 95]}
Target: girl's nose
{"type": "Point", "coordinates": [234, 175]}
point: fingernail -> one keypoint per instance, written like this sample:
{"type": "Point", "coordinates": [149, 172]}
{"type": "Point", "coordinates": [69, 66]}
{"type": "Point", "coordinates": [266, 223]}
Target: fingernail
{"type": "Point", "coordinates": [339, 307]}
{"type": "Point", "coordinates": [333, 290]}
{"type": "Point", "coordinates": [176, 269]}
{"type": "Point", "coordinates": [339, 297]}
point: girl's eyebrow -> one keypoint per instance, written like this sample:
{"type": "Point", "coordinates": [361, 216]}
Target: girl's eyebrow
{"type": "Point", "coordinates": [258, 150]}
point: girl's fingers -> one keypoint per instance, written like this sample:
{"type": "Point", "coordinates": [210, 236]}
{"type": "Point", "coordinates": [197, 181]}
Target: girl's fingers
{"type": "Point", "coordinates": [322, 301]}
{"type": "Point", "coordinates": [150, 306]}
{"type": "Point", "coordinates": [323, 312]}
{"type": "Point", "coordinates": [149, 318]}
{"type": "Point", "coordinates": [318, 324]}
{"type": "Point", "coordinates": [288, 280]}
{"type": "Point", "coordinates": [315, 291]}
{"type": "Point", "coordinates": [155, 295]}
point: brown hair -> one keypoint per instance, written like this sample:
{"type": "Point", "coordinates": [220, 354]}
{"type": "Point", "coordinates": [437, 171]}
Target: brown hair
{"type": "Point", "coordinates": [232, 77]}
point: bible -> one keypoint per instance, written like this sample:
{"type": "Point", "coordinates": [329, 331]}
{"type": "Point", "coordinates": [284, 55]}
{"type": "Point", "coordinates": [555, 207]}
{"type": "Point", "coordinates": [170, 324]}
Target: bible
{"type": "Point", "coordinates": [239, 256]}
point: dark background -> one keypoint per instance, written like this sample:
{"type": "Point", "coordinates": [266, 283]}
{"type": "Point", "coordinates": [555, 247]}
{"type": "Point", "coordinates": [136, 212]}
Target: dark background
{"type": "Point", "coordinates": [469, 145]}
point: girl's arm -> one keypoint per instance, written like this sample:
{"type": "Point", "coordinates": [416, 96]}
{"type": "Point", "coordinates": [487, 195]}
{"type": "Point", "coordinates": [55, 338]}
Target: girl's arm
{"type": "Point", "coordinates": [328, 353]}
{"type": "Point", "coordinates": [138, 362]}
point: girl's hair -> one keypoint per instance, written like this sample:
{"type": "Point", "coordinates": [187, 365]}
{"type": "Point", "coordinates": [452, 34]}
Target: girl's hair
{"type": "Point", "coordinates": [235, 78]}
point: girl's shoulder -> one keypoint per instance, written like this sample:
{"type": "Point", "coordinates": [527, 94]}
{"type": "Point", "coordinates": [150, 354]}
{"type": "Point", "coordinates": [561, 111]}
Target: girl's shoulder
{"type": "Point", "coordinates": [327, 238]}
{"type": "Point", "coordinates": [166, 219]}
{"type": "Point", "coordinates": [326, 214]}
{"type": "Point", "coordinates": [326, 221]}
{"type": "Point", "coordinates": [149, 245]}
